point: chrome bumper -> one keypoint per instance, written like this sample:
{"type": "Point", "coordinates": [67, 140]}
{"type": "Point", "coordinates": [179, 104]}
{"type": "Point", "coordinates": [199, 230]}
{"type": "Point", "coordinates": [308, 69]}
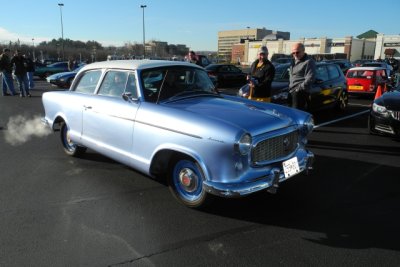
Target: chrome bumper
{"type": "Point", "coordinates": [270, 182]}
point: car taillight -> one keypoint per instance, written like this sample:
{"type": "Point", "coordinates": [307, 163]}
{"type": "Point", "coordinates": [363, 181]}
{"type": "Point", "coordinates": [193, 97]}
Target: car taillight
{"type": "Point", "coordinates": [211, 73]}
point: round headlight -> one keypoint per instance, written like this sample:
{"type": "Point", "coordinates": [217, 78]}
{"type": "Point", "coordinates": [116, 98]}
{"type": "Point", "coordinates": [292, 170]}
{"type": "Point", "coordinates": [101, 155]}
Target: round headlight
{"type": "Point", "coordinates": [245, 144]}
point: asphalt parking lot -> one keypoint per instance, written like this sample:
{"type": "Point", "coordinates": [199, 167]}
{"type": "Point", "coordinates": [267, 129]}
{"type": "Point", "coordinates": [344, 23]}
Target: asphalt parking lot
{"type": "Point", "coordinates": [91, 211]}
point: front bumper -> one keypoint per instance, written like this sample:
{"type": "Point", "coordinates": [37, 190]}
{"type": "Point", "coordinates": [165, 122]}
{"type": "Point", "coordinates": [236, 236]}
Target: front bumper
{"type": "Point", "coordinates": [384, 125]}
{"type": "Point", "coordinates": [270, 181]}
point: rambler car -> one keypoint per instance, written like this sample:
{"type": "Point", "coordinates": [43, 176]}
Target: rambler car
{"type": "Point", "coordinates": [166, 119]}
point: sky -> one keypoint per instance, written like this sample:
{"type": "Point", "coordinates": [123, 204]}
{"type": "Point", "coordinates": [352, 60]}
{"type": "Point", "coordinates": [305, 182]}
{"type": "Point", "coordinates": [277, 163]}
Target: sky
{"type": "Point", "coordinates": [193, 23]}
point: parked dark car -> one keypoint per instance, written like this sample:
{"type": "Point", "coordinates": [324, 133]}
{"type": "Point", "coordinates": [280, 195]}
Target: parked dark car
{"type": "Point", "coordinates": [328, 91]}
{"type": "Point", "coordinates": [227, 75]}
{"type": "Point", "coordinates": [282, 60]}
{"type": "Point", "coordinates": [384, 116]}
{"type": "Point", "coordinates": [63, 79]}
{"type": "Point", "coordinates": [344, 64]}
{"type": "Point", "coordinates": [45, 71]}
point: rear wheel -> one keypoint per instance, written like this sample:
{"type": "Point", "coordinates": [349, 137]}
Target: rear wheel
{"type": "Point", "coordinates": [70, 147]}
{"type": "Point", "coordinates": [186, 183]}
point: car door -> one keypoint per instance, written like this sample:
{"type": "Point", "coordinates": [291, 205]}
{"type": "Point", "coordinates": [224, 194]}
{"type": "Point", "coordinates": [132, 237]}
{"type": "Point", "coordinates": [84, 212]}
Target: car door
{"type": "Point", "coordinates": [336, 82]}
{"type": "Point", "coordinates": [109, 119]}
{"type": "Point", "coordinates": [320, 89]}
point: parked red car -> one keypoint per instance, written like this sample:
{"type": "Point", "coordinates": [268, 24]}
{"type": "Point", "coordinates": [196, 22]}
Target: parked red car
{"type": "Point", "coordinates": [365, 80]}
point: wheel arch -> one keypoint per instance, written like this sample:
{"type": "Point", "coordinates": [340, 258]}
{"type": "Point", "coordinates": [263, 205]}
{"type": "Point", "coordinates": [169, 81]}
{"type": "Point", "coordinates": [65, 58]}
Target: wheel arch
{"type": "Point", "coordinates": [164, 158]}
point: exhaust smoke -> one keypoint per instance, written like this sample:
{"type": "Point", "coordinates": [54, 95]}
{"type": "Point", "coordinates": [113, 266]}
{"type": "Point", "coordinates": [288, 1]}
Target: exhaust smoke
{"type": "Point", "coordinates": [21, 129]}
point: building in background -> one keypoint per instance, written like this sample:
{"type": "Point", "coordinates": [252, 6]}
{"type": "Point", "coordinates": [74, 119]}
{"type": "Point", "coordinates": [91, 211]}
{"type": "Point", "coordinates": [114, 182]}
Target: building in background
{"type": "Point", "coordinates": [321, 48]}
{"type": "Point", "coordinates": [387, 46]}
{"type": "Point", "coordinates": [226, 40]}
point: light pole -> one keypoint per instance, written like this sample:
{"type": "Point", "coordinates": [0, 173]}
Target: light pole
{"type": "Point", "coordinates": [33, 53]}
{"type": "Point", "coordinates": [62, 30]}
{"type": "Point", "coordinates": [248, 32]}
{"type": "Point", "coordinates": [144, 43]}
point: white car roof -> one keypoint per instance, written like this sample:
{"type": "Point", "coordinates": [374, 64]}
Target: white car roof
{"type": "Point", "coordinates": [136, 64]}
{"type": "Point", "coordinates": [367, 68]}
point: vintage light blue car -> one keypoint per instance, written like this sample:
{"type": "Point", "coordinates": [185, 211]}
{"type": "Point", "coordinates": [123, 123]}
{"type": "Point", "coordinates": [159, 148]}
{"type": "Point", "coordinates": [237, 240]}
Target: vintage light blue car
{"type": "Point", "coordinates": [166, 120]}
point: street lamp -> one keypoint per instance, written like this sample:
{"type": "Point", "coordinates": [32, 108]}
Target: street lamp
{"type": "Point", "coordinates": [248, 32]}
{"type": "Point", "coordinates": [62, 29]}
{"type": "Point", "coordinates": [144, 44]}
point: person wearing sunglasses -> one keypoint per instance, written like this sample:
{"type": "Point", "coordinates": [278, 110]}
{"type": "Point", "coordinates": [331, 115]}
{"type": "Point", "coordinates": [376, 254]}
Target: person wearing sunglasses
{"type": "Point", "coordinates": [302, 76]}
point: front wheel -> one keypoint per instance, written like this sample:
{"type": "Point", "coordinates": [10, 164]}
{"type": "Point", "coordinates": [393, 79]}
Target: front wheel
{"type": "Point", "coordinates": [342, 101]}
{"type": "Point", "coordinates": [70, 147]}
{"type": "Point", "coordinates": [186, 183]}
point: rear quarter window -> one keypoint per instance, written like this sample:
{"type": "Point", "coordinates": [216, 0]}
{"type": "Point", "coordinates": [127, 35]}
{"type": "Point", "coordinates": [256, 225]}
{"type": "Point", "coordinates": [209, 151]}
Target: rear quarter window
{"type": "Point", "coordinates": [333, 71]}
{"type": "Point", "coordinates": [322, 74]}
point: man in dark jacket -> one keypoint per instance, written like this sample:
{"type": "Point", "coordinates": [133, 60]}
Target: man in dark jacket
{"type": "Point", "coordinates": [302, 76]}
{"type": "Point", "coordinates": [262, 73]}
{"type": "Point", "coordinates": [20, 71]}
{"type": "Point", "coordinates": [6, 69]}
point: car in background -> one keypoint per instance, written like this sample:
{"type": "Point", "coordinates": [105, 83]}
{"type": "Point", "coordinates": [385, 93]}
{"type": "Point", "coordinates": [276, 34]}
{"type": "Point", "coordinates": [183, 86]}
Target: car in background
{"type": "Point", "coordinates": [328, 91]}
{"type": "Point", "coordinates": [360, 62]}
{"type": "Point", "coordinates": [384, 65]}
{"type": "Point", "coordinates": [282, 60]}
{"type": "Point", "coordinates": [227, 75]}
{"type": "Point", "coordinates": [344, 64]}
{"type": "Point", "coordinates": [365, 80]}
{"type": "Point", "coordinates": [203, 60]}
{"type": "Point", "coordinates": [384, 117]}
{"type": "Point", "coordinates": [45, 71]}
{"type": "Point", "coordinates": [167, 120]}
{"type": "Point", "coordinates": [63, 79]}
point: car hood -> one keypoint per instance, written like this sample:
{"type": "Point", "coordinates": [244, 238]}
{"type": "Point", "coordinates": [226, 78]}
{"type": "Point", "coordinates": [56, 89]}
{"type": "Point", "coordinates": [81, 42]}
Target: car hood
{"type": "Point", "coordinates": [254, 117]}
{"type": "Point", "coordinates": [390, 100]}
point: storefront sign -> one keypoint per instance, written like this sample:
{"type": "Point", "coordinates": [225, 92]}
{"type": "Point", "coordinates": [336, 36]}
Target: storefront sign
{"type": "Point", "coordinates": [391, 44]}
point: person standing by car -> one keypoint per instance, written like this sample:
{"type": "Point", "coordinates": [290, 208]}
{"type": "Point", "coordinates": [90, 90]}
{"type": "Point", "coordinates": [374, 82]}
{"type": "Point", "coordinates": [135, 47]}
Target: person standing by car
{"type": "Point", "coordinates": [262, 73]}
{"type": "Point", "coordinates": [30, 69]}
{"type": "Point", "coordinates": [6, 69]}
{"type": "Point", "coordinates": [192, 58]}
{"type": "Point", "coordinates": [302, 76]}
{"type": "Point", "coordinates": [20, 71]}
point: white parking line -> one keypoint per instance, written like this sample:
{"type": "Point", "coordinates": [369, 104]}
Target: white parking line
{"type": "Point", "coordinates": [360, 105]}
{"type": "Point", "coordinates": [341, 119]}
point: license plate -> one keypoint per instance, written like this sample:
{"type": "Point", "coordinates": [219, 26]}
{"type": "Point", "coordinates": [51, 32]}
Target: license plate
{"type": "Point", "coordinates": [291, 167]}
{"type": "Point", "coordinates": [356, 87]}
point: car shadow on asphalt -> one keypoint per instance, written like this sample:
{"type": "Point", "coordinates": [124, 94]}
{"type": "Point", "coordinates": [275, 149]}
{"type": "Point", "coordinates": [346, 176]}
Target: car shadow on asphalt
{"type": "Point", "coordinates": [355, 204]}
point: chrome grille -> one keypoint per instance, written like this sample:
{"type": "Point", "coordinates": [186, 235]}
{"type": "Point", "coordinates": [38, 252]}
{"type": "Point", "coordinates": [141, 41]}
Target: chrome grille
{"type": "Point", "coordinates": [396, 115]}
{"type": "Point", "coordinates": [275, 147]}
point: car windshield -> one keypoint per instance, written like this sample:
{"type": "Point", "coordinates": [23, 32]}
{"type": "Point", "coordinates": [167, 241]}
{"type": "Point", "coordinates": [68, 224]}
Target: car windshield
{"type": "Point", "coordinates": [171, 83]}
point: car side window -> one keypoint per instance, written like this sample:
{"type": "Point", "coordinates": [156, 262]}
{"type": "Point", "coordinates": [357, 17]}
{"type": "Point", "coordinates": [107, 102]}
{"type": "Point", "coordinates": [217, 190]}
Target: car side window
{"type": "Point", "coordinates": [88, 82]}
{"type": "Point", "coordinates": [131, 85]}
{"type": "Point", "coordinates": [333, 71]}
{"type": "Point", "coordinates": [322, 74]}
{"type": "Point", "coordinates": [114, 83]}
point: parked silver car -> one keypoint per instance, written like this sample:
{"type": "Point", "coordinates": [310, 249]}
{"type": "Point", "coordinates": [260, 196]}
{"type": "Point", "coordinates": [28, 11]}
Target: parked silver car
{"type": "Point", "coordinates": [166, 119]}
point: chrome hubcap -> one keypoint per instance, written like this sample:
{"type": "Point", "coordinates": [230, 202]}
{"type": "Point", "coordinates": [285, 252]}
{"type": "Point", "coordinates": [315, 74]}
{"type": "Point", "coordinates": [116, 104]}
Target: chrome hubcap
{"type": "Point", "coordinates": [188, 179]}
